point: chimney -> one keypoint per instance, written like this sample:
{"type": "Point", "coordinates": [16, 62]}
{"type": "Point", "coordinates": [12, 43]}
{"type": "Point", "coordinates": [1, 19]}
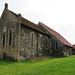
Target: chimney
{"type": "Point", "coordinates": [6, 6]}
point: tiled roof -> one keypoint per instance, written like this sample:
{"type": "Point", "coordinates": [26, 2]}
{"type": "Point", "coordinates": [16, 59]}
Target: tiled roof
{"type": "Point", "coordinates": [74, 46]}
{"type": "Point", "coordinates": [29, 23]}
{"type": "Point", "coordinates": [56, 34]}
{"type": "Point", "coordinates": [36, 27]}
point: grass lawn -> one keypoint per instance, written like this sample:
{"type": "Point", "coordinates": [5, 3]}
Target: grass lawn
{"type": "Point", "coordinates": [54, 66]}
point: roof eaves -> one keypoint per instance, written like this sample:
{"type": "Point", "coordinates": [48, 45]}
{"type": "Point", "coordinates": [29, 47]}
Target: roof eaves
{"type": "Point", "coordinates": [29, 23]}
{"type": "Point", "coordinates": [56, 33]}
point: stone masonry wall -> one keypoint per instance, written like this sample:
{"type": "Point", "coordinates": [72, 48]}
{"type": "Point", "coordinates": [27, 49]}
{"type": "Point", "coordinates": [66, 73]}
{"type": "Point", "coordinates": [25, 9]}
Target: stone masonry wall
{"type": "Point", "coordinates": [57, 48]}
{"type": "Point", "coordinates": [40, 44]}
{"type": "Point", "coordinates": [9, 22]}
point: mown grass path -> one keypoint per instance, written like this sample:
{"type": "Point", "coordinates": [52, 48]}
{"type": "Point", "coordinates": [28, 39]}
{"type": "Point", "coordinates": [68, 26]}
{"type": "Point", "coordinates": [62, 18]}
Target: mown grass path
{"type": "Point", "coordinates": [54, 66]}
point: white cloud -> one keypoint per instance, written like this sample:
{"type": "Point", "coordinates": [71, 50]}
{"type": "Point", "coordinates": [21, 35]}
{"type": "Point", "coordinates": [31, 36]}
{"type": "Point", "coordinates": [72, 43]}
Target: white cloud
{"type": "Point", "coordinates": [57, 14]}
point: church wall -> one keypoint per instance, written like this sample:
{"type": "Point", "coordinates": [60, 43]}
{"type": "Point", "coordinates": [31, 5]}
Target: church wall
{"type": "Point", "coordinates": [67, 50]}
{"type": "Point", "coordinates": [10, 46]}
{"type": "Point", "coordinates": [40, 45]}
{"type": "Point", "coordinates": [73, 51]}
{"type": "Point", "coordinates": [57, 48]}
{"type": "Point", "coordinates": [43, 45]}
{"type": "Point", "coordinates": [27, 47]}
{"type": "Point", "coordinates": [9, 26]}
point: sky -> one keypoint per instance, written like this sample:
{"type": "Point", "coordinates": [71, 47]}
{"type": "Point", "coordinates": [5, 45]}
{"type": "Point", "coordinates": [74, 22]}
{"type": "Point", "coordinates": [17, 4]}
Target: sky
{"type": "Point", "coordinates": [56, 14]}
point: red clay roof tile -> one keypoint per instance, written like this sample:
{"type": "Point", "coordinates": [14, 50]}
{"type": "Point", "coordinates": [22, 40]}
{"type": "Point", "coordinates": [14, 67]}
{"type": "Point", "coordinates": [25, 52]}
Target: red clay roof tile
{"type": "Point", "coordinates": [73, 46]}
{"type": "Point", "coordinates": [57, 35]}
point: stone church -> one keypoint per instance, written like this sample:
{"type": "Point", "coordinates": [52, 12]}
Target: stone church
{"type": "Point", "coordinates": [20, 39]}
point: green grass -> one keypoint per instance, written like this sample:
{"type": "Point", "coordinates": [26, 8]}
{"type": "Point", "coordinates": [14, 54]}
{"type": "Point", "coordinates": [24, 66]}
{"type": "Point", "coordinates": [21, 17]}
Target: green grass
{"type": "Point", "coordinates": [54, 66]}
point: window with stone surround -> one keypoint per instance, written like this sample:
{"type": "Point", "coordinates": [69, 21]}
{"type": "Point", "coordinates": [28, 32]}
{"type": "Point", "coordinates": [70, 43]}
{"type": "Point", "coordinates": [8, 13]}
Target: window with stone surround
{"type": "Point", "coordinates": [31, 38]}
{"type": "Point", "coordinates": [3, 39]}
{"type": "Point", "coordinates": [56, 45]}
{"type": "Point", "coordinates": [4, 33]}
{"type": "Point", "coordinates": [10, 37]}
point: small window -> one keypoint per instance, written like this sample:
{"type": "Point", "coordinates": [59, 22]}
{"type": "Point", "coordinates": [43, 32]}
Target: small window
{"type": "Point", "coordinates": [4, 32]}
{"type": "Point", "coordinates": [10, 37]}
{"type": "Point", "coordinates": [3, 39]}
{"type": "Point", "coordinates": [31, 39]}
{"type": "Point", "coordinates": [56, 46]}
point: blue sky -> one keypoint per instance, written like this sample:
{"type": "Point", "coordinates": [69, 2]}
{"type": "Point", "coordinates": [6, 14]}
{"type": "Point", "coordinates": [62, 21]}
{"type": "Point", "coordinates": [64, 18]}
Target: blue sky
{"type": "Point", "coordinates": [56, 14]}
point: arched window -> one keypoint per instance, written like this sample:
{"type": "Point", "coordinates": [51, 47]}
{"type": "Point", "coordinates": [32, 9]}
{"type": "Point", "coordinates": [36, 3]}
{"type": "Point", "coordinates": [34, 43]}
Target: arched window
{"type": "Point", "coordinates": [10, 37]}
{"type": "Point", "coordinates": [31, 39]}
{"type": "Point", "coordinates": [56, 45]}
{"type": "Point", "coordinates": [3, 39]}
{"type": "Point", "coordinates": [4, 34]}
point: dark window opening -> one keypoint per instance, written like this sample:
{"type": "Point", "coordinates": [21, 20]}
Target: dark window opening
{"type": "Point", "coordinates": [3, 39]}
{"type": "Point", "coordinates": [56, 46]}
{"type": "Point", "coordinates": [31, 39]}
{"type": "Point", "coordinates": [4, 55]}
{"type": "Point", "coordinates": [10, 37]}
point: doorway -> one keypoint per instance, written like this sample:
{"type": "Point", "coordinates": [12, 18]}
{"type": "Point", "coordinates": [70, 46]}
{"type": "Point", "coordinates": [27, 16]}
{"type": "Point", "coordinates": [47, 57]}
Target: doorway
{"type": "Point", "coordinates": [4, 55]}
